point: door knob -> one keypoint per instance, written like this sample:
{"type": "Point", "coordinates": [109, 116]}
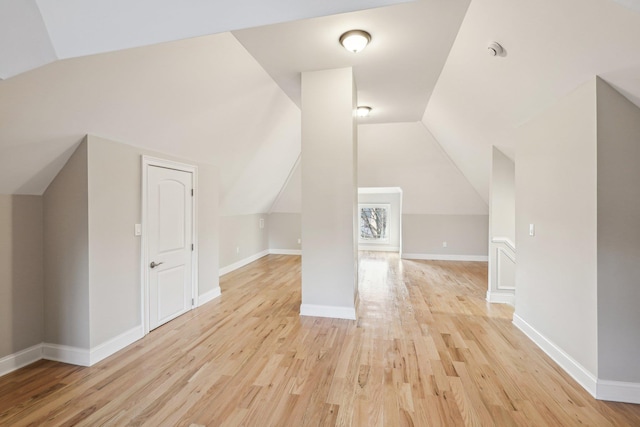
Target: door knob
{"type": "Point", "coordinates": [155, 264]}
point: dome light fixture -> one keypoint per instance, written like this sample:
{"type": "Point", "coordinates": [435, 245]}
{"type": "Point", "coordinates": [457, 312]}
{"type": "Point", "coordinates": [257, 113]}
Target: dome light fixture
{"type": "Point", "coordinates": [363, 111]}
{"type": "Point", "coordinates": [355, 40]}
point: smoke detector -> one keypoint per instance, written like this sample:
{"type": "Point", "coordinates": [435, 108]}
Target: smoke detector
{"type": "Point", "coordinates": [495, 49]}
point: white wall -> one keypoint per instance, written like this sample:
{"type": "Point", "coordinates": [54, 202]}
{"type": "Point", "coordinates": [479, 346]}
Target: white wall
{"type": "Point", "coordinates": [618, 236]}
{"type": "Point", "coordinates": [556, 190]}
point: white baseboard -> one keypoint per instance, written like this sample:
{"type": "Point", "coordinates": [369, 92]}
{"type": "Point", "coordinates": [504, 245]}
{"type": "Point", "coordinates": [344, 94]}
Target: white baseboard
{"type": "Point", "coordinates": [618, 391]}
{"type": "Point", "coordinates": [578, 372]}
{"type": "Point", "coordinates": [239, 264]}
{"type": "Point", "coordinates": [328, 311]}
{"type": "Point", "coordinates": [20, 359]}
{"type": "Point", "coordinates": [446, 257]}
{"type": "Point", "coordinates": [285, 251]}
{"type": "Point", "coordinates": [209, 296]}
{"type": "Point", "coordinates": [381, 248]}
{"type": "Point", "coordinates": [115, 344]}
{"type": "Point", "coordinates": [66, 354]}
{"type": "Point", "coordinates": [501, 298]}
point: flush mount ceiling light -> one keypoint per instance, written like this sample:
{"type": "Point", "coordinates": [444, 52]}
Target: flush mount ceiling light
{"type": "Point", "coordinates": [355, 40]}
{"type": "Point", "coordinates": [363, 111]}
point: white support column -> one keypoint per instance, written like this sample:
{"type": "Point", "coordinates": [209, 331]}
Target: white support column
{"type": "Point", "coordinates": [329, 194]}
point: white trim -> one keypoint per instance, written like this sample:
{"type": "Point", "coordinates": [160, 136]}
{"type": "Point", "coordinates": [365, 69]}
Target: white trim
{"type": "Point", "coordinates": [446, 257]}
{"type": "Point", "coordinates": [501, 298]}
{"type": "Point", "coordinates": [511, 257]}
{"type": "Point", "coordinates": [209, 296]}
{"type": "Point", "coordinates": [144, 258]}
{"type": "Point", "coordinates": [378, 248]}
{"type": "Point", "coordinates": [379, 190]}
{"type": "Point", "coordinates": [333, 312]}
{"type": "Point", "coordinates": [578, 372]}
{"type": "Point", "coordinates": [66, 354]}
{"type": "Point", "coordinates": [20, 359]}
{"type": "Point", "coordinates": [285, 251]}
{"type": "Point", "coordinates": [506, 241]}
{"type": "Point", "coordinates": [114, 345]}
{"type": "Point", "coordinates": [618, 391]}
{"type": "Point", "coordinates": [239, 264]}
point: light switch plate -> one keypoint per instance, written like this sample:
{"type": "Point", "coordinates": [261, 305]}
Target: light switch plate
{"type": "Point", "coordinates": [137, 229]}
{"type": "Point", "coordinates": [532, 230]}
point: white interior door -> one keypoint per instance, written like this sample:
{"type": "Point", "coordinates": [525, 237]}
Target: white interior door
{"type": "Point", "coordinates": [169, 219]}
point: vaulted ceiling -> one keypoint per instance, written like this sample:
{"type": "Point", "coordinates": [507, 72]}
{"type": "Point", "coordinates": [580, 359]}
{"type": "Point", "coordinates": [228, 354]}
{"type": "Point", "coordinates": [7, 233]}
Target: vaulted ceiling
{"type": "Point", "coordinates": [232, 99]}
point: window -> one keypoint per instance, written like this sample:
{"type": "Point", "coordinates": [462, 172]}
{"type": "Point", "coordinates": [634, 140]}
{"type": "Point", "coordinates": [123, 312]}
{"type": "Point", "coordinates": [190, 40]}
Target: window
{"type": "Point", "coordinates": [374, 223]}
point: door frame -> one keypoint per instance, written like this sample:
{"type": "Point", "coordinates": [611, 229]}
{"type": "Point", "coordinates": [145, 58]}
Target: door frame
{"type": "Point", "coordinates": [148, 161]}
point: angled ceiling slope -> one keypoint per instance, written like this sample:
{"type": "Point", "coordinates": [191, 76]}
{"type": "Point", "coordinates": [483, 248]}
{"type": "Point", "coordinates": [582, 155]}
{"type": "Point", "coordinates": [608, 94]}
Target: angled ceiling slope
{"type": "Point", "coordinates": [551, 48]}
{"type": "Point", "coordinates": [37, 32]}
{"type": "Point", "coordinates": [204, 99]}
{"type": "Point", "coordinates": [394, 75]}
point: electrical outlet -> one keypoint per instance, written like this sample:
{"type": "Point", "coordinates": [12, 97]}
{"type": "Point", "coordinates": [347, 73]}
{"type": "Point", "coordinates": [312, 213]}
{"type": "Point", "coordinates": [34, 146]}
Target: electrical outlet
{"type": "Point", "coordinates": [444, 244]}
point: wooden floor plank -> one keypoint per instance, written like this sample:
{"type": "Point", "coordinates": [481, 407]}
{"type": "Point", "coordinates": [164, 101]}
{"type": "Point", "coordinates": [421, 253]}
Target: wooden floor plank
{"type": "Point", "coordinates": [426, 350]}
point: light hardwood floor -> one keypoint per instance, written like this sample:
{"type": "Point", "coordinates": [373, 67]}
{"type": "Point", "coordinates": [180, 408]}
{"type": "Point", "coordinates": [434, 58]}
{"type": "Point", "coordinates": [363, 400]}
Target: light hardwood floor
{"type": "Point", "coordinates": [426, 350]}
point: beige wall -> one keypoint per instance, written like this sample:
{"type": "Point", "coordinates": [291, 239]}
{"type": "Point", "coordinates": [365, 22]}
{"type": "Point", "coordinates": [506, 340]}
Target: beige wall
{"type": "Point", "coordinates": [66, 254]}
{"type": "Point", "coordinates": [556, 190]}
{"type": "Point", "coordinates": [284, 230]}
{"type": "Point", "coordinates": [92, 257]}
{"type": "Point", "coordinates": [618, 236]}
{"type": "Point", "coordinates": [406, 155]}
{"type": "Point", "coordinates": [464, 234]}
{"type": "Point", "coordinates": [115, 181]}
{"type": "Point", "coordinates": [21, 276]}
{"type": "Point", "coordinates": [502, 197]}
{"type": "Point", "coordinates": [241, 237]}
{"type": "Point", "coordinates": [114, 260]}
{"type": "Point", "coordinates": [329, 189]}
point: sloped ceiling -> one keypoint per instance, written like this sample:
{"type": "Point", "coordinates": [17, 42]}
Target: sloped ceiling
{"type": "Point", "coordinates": [551, 48]}
{"type": "Point", "coordinates": [403, 155]}
{"type": "Point", "coordinates": [394, 75]}
{"type": "Point", "coordinates": [209, 99]}
{"type": "Point", "coordinates": [203, 99]}
{"type": "Point", "coordinates": [36, 32]}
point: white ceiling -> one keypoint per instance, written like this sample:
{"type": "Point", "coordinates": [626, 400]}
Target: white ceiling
{"type": "Point", "coordinates": [551, 48]}
{"type": "Point", "coordinates": [210, 99]}
{"type": "Point", "coordinates": [394, 75]}
{"type": "Point", "coordinates": [203, 99]}
{"type": "Point", "coordinates": [36, 32]}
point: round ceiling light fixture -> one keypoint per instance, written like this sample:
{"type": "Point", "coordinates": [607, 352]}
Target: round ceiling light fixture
{"type": "Point", "coordinates": [363, 111]}
{"type": "Point", "coordinates": [355, 40]}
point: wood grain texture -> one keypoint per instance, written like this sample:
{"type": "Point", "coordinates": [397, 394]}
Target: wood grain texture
{"type": "Point", "coordinates": [426, 350]}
